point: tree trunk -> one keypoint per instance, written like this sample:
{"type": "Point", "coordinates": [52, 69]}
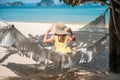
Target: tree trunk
{"type": "Point", "coordinates": [114, 29]}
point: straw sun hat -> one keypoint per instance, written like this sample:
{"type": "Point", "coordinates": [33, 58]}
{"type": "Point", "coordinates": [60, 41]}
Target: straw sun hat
{"type": "Point", "coordinates": [59, 28]}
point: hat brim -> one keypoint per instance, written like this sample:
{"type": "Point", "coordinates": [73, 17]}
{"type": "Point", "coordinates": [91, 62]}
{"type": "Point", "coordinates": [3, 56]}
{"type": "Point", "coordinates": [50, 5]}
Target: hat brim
{"type": "Point", "coordinates": [60, 32]}
{"type": "Point", "coordinates": [57, 30]}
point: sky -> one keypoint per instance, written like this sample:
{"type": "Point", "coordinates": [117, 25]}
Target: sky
{"type": "Point", "coordinates": [26, 1]}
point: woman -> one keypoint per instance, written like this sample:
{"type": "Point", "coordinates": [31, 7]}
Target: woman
{"type": "Point", "coordinates": [60, 37]}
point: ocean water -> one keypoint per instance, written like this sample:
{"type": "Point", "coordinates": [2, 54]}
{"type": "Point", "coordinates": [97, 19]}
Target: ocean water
{"type": "Point", "coordinates": [52, 14]}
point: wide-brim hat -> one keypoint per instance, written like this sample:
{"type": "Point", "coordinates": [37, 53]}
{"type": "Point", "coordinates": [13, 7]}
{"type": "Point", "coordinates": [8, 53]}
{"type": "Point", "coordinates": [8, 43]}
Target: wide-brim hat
{"type": "Point", "coordinates": [59, 28]}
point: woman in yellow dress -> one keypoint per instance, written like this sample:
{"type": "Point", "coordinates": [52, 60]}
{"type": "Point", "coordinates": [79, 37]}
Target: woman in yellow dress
{"type": "Point", "coordinates": [60, 37]}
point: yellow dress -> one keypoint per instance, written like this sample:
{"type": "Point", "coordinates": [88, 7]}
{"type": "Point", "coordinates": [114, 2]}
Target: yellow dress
{"type": "Point", "coordinates": [62, 47]}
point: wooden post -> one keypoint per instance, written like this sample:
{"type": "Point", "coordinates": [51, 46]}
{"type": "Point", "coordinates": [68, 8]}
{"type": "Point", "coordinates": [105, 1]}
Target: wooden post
{"type": "Point", "coordinates": [114, 30]}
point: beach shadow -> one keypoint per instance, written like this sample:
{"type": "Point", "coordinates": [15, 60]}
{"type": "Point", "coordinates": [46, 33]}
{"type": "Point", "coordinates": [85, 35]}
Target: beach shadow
{"type": "Point", "coordinates": [31, 72]}
{"type": "Point", "coordinates": [22, 69]}
{"type": "Point", "coordinates": [31, 69]}
{"type": "Point", "coordinates": [27, 72]}
{"type": "Point", "coordinates": [10, 52]}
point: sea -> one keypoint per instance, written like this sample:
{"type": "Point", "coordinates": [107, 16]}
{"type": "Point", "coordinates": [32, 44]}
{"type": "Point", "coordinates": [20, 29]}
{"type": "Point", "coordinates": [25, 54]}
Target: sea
{"type": "Point", "coordinates": [52, 14]}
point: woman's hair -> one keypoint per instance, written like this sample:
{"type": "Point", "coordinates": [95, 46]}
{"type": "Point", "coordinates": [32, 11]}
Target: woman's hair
{"type": "Point", "coordinates": [61, 38]}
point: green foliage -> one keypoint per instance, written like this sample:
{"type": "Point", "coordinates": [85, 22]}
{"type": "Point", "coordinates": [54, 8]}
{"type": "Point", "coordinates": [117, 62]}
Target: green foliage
{"type": "Point", "coordinates": [72, 2]}
{"type": "Point", "coordinates": [78, 2]}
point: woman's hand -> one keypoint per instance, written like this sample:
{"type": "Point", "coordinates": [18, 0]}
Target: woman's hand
{"type": "Point", "coordinates": [49, 30]}
{"type": "Point", "coordinates": [68, 29]}
{"type": "Point", "coordinates": [73, 38]}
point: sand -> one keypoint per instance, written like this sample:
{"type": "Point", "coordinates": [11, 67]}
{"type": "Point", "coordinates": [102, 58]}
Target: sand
{"type": "Point", "coordinates": [11, 57]}
{"type": "Point", "coordinates": [40, 28]}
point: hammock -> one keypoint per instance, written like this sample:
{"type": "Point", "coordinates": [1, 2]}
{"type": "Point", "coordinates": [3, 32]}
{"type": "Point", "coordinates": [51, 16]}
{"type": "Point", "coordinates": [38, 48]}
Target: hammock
{"type": "Point", "coordinates": [97, 25]}
{"type": "Point", "coordinates": [90, 42]}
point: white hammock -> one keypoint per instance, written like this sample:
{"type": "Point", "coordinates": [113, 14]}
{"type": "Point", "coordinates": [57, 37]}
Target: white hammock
{"type": "Point", "coordinates": [91, 40]}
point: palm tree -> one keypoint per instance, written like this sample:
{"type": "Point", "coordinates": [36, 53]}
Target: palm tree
{"type": "Point", "coordinates": [114, 30]}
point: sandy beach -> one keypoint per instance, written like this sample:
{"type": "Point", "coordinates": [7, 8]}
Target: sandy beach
{"type": "Point", "coordinates": [10, 57]}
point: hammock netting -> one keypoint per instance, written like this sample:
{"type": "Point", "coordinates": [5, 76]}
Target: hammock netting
{"type": "Point", "coordinates": [91, 40]}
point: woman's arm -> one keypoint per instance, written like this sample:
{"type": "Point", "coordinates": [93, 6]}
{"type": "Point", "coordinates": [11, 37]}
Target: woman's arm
{"type": "Point", "coordinates": [72, 37]}
{"type": "Point", "coordinates": [46, 39]}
